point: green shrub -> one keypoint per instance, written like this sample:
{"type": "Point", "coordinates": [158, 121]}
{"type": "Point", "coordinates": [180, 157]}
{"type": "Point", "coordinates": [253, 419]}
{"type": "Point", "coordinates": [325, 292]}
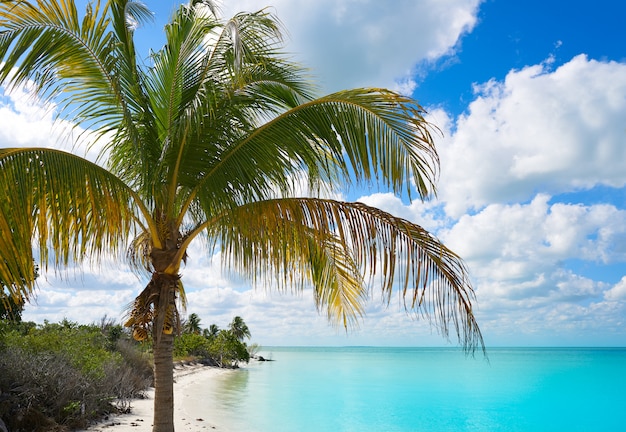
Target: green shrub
{"type": "Point", "coordinates": [191, 345]}
{"type": "Point", "coordinates": [223, 349]}
{"type": "Point", "coordinates": [227, 350]}
{"type": "Point", "coordinates": [65, 375]}
{"type": "Point", "coordinates": [82, 345]}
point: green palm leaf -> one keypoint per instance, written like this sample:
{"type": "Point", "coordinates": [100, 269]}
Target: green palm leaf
{"type": "Point", "coordinates": [75, 209]}
{"type": "Point", "coordinates": [383, 134]}
{"type": "Point", "coordinates": [335, 245]}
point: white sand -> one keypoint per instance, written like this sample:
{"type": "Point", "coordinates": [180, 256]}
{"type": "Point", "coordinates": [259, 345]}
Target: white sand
{"type": "Point", "coordinates": [187, 414]}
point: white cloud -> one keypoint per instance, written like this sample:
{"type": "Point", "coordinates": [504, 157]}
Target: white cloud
{"type": "Point", "coordinates": [539, 234]}
{"type": "Point", "coordinates": [617, 292]}
{"type": "Point", "coordinates": [291, 318]}
{"type": "Point", "coordinates": [23, 121]}
{"type": "Point", "coordinates": [517, 255]}
{"type": "Point", "coordinates": [84, 304]}
{"type": "Point", "coordinates": [353, 43]}
{"type": "Point", "coordinates": [83, 295]}
{"type": "Point", "coordinates": [425, 214]}
{"type": "Point", "coordinates": [26, 121]}
{"type": "Point", "coordinates": [518, 251]}
{"type": "Point", "coordinates": [538, 130]}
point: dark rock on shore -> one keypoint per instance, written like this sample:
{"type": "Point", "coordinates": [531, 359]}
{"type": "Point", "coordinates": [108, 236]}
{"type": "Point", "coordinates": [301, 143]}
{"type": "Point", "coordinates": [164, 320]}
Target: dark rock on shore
{"type": "Point", "coordinates": [263, 359]}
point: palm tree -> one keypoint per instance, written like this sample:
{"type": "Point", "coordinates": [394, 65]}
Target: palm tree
{"type": "Point", "coordinates": [192, 325]}
{"type": "Point", "coordinates": [239, 329]}
{"type": "Point", "coordinates": [211, 332]}
{"type": "Point", "coordinates": [211, 139]}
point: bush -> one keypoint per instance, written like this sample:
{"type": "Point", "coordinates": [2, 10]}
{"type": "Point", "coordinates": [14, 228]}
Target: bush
{"type": "Point", "coordinates": [191, 345]}
{"type": "Point", "coordinates": [223, 350]}
{"type": "Point", "coordinates": [128, 378]}
{"type": "Point", "coordinates": [60, 376]}
{"type": "Point", "coordinates": [42, 389]}
{"type": "Point", "coordinates": [227, 350]}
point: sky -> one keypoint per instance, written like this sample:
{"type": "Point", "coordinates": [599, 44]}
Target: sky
{"type": "Point", "coordinates": [530, 101]}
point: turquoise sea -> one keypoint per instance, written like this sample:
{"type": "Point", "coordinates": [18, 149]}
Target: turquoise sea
{"type": "Point", "coordinates": [424, 389]}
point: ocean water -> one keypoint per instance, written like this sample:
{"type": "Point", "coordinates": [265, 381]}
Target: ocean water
{"type": "Point", "coordinates": [423, 389]}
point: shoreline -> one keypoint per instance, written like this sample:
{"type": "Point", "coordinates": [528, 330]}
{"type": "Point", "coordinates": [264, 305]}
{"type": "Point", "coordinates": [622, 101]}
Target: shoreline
{"type": "Point", "coordinates": [187, 416]}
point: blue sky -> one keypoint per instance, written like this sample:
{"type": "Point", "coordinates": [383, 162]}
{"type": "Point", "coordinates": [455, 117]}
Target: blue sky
{"type": "Point", "coordinates": [530, 98]}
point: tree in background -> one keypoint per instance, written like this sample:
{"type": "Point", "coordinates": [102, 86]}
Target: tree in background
{"type": "Point", "coordinates": [239, 329]}
{"type": "Point", "coordinates": [192, 325]}
{"type": "Point", "coordinates": [228, 350]}
{"type": "Point", "coordinates": [213, 137]}
{"type": "Point", "coordinates": [223, 348]}
{"type": "Point", "coordinates": [211, 332]}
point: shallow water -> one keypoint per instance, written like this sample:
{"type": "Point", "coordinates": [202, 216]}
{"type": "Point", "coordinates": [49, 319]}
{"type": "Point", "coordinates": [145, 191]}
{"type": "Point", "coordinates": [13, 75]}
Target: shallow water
{"type": "Point", "coordinates": [423, 389]}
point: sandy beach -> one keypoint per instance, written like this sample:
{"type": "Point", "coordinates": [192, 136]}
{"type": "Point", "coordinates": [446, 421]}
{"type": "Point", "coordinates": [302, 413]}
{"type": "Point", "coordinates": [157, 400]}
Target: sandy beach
{"type": "Point", "coordinates": [188, 413]}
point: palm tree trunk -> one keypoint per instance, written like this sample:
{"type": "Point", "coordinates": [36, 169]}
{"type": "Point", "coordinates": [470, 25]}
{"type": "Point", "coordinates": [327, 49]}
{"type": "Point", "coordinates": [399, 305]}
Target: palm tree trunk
{"type": "Point", "coordinates": [163, 349]}
{"type": "Point", "coordinates": [164, 384]}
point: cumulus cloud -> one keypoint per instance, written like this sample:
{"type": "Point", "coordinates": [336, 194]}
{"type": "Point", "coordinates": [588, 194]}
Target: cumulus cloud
{"type": "Point", "coordinates": [523, 141]}
{"type": "Point", "coordinates": [518, 254]}
{"type": "Point", "coordinates": [83, 294]}
{"type": "Point", "coordinates": [539, 234]}
{"type": "Point", "coordinates": [352, 43]}
{"type": "Point", "coordinates": [538, 130]}
{"type": "Point", "coordinates": [518, 257]}
{"type": "Point", "coordinates": [617, 292]}
{"type": "Point", "coordinates": [26, 121]}
{"type": "Point", "coordinates": [291, 318]}
{"type": "Point", "coordinates": [78, 302]}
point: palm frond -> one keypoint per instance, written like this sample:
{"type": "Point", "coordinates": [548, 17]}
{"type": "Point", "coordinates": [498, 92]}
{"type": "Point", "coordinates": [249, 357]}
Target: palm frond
{"type": "Point", "coordinates": [338, 287]}
{"type": "Point", "coordinates": [362, 135]}
{"type": "Point", "coordinates": [84, 63]}
{"type": "Point", "coordinates": [136, 13]}
{"type": "Point", "coordinates": [15, 243]}
{"type": "Point", "coordinates": [373, 134]}
{"type": "Point", "coordinates": [210, 84]}
{"type": "Point", "coordinates": [154, 310]}
{"type": "Point", "coordinates": [293, 255]}
{"type": "Point", "coordinates": [72, 208]}
{"type": "Point", "coordinates": [334, 245]}
{"type": "Point", "coordinates": [48, 42]}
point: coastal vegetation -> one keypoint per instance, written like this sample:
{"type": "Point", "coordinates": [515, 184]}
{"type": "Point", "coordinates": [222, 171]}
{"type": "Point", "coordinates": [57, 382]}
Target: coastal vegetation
{"type": "Point", "coordinates": [217, 347]}
{"type": "Point", "coordinates": [58, 377]}
{"type": "Point", "coordinates": [63, 376]}
{"type": "Point", "coordinates": [213, 137]}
